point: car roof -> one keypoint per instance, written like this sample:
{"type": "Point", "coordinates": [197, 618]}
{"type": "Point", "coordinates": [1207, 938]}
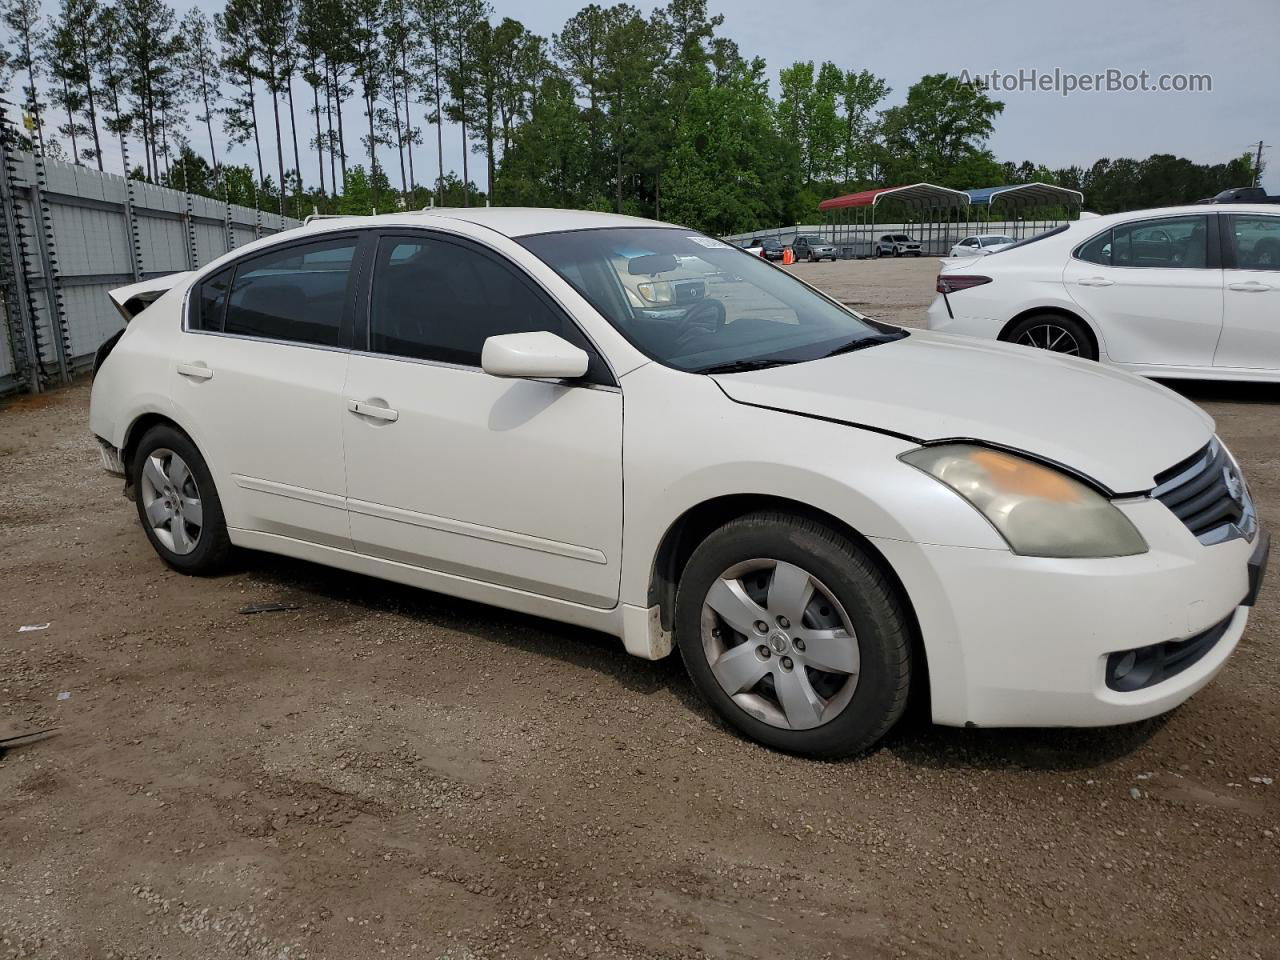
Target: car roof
{"type": "Point", "coordinates": [508, 221]}
{"type": "Point", "coordinates": [1183, 210]}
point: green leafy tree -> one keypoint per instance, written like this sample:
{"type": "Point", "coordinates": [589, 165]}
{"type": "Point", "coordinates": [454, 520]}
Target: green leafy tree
{"type": "Point", "coordinates": [943, 123]}
{"type": "Point", "coordinates": [463, 21]}
{"type": "Point", "coordinates": [234, 26]}
{"type": "Point", "coordinates": [202, 71]}
{"type": "Point", "coordinates": [860, 93]}
{"type": "Point", "coordinates": [732, 169]}
{"type": "Point", "coordinates": [431, 27]}
{"type": "Point", "coordinates": [149, 46]}
{"type": "Point", "coordinates": [70, 52]}
{"type": "Point", "coordinates": [545, 165]}
{"type": "Point", "coordinates": [23, 19]}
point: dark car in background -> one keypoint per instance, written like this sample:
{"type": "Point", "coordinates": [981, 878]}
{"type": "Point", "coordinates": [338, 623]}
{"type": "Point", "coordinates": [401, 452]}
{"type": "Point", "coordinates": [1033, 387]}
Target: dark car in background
{"type": "Point", "coordinates": [811, 247]}
{"type": "Point", "coordinates": [771, 248]}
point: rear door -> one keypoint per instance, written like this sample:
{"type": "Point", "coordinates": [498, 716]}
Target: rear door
{"type": "Point", "coordinates": [1251, 300]}
{"type": "Point", "coordinates": [258, 383]}
{"type": "Point", "coordinates": [1154, 288]}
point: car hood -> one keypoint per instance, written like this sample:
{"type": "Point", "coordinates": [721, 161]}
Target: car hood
{"type": "Point", "coordinates": [1111, 426]}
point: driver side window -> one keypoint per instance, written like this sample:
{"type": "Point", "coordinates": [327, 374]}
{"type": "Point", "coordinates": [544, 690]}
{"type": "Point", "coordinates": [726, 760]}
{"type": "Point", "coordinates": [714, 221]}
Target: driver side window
{"type": "Point", "coordinates": [439, 300]}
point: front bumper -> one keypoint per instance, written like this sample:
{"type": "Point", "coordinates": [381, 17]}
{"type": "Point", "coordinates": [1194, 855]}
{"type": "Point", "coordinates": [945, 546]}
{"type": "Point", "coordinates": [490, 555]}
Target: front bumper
{"type": "Point", "coordinates": [1024, 641]}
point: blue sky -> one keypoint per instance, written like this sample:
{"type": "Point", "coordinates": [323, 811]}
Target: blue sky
{"type": "Point", "coordinates": [1233, 42]}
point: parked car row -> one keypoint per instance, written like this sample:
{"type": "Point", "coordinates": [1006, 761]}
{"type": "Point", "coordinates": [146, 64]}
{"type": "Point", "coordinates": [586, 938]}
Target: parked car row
{"type": "Point", "coordinates": [823, 513]}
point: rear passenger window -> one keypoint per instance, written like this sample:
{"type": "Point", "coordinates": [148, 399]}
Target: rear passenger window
{"type": "Point", "coordinates": [438, 300]}
{"type": "Point", "coordinates": [1097, 250]}
{"type": "Point", "coordinates": [211, 302]}
{"type": "Point", "coordinates": [1168, 242]}
{"type": "Point", "coordinates": [298, 293]}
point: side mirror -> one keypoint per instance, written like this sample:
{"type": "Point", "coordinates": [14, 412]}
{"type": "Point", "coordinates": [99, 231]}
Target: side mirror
{"type": "Point", "coordinates": [536, 355]}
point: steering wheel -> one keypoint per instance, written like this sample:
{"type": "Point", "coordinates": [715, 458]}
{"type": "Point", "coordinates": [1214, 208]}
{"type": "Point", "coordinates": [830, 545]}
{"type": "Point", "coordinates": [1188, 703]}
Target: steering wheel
{"type": "Point", "coordinates": [705, 317]}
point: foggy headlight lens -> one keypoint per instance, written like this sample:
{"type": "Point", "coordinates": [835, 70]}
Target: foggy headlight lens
{"type": "Point", "coordinates": [1039, 511]}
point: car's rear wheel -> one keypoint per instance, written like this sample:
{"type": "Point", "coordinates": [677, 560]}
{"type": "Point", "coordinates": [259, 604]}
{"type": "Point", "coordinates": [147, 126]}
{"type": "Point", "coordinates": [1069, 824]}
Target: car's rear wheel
{"type": "Point", "coordinates": [1054, 332]}
{"type": "Point", "coordinates": [177, 502]}
{"type": "Point", "coordinates": [794, 636]}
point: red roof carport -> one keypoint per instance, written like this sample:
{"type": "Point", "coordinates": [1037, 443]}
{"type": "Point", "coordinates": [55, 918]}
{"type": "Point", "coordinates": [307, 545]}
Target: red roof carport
{"type": "Point", "coordinates": [856, 212]}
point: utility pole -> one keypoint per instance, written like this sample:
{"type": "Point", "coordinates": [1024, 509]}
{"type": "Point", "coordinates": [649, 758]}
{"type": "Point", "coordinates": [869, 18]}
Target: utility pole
{"type": "Point", "coordinates": [1257, 165]}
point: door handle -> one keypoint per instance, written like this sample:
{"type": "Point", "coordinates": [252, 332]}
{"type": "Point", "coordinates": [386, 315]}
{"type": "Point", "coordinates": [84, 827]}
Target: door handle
{"type": "Point", "coordinates": [1250, 286]}
{"type": "Point", "coordinates": [1095, 282]}
{"type": "Point", "coordinates": [363, 408]}
{"type": "Point", "coordinates": [199, 370]}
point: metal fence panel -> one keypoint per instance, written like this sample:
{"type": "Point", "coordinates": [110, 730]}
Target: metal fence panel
{"type": "Point", "coordinates": [80, 241]}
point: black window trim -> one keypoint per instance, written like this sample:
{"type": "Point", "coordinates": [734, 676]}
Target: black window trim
{"type": "Point", "coordinates": [1213, 258]}
{"type": "Point", "coordinates": [1227, 239]}
{"type": "Point", "coordinates": [192, 303]}
{"type": "Point", "coordinates": [364, 298]}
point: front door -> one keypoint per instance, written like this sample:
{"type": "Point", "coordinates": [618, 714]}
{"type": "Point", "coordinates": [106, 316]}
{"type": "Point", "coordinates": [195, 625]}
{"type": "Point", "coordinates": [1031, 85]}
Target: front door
{"type": "Point", "coordinates": [258, 383]}
{"type": "Point", "coordinates": [512, 482]}
{"type": "Point", "coordinates": [1154, 289]}
{"type": "Point", "coordinates": [1251, 304]}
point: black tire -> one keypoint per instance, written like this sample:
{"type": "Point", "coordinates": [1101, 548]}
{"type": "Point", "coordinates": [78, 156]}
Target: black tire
{"type": "Point", "coordinates": [875, 611]}
{"type": "Point", "coordinates": [1042, 329]}
{"type": "Point", "coordinates": [213, 549]}
{"type": "Point", "coordinates": [897, 252]}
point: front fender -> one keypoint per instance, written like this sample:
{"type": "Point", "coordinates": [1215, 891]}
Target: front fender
{"type": "Point", "coordinates": [674, 462]}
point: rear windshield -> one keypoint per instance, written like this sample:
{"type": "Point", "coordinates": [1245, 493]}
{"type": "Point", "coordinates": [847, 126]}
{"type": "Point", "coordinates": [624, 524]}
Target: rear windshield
{"type": "Point", "coordinates": [1040, 236]}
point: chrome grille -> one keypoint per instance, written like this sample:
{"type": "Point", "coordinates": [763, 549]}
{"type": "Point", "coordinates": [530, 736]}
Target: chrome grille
{"type": "Point", "coordinates": [1206, 492]}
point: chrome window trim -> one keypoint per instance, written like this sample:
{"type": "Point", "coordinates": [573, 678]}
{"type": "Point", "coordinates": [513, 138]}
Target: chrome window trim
{"type": "Point", "coordinates": [253, 339]}
{"type": "Point", "coordinates": [469, 368]}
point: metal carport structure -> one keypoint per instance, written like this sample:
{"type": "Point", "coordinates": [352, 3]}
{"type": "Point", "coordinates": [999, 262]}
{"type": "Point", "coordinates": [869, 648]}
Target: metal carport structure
{"type": "Point", "coordinates": [852, 217]}
{"type": "Point", "coordinates": [1028, 205]}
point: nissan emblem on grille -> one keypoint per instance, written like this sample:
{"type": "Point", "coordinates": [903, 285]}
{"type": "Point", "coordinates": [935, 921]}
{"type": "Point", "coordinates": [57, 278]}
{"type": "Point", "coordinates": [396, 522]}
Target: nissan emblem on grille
{"type": "Point", "coordinates": [1235, 488]}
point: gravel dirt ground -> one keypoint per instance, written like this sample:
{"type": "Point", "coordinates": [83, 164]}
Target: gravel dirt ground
{"type": "Point", "coordinates": [388, 772]}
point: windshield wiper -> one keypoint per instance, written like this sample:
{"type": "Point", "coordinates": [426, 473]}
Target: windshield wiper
{"type": "Point", "coordinates": [864, 342]}
{"type": "Point", "coordinates": [740, 366]}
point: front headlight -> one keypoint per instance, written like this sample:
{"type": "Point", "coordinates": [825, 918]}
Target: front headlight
{"type": "Point", "coordinates": [1040, 512]}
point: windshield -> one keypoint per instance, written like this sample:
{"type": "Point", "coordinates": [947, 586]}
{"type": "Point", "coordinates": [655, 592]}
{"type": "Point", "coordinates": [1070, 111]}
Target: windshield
{"type": "Point", "coordinates": [698, 304]}
{"type": "Point", "coordinates": [902, 238]}
{"type": "Point", "coordinates": [988, 241]}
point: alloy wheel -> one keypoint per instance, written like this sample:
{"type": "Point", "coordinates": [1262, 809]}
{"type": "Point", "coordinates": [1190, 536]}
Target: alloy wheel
{"type": "Point", "coordinates": [1051, 337]}
{"type": "Point", "coordinates": [171, 500]}
{"type": "Point", "coordinates": [780, 644]}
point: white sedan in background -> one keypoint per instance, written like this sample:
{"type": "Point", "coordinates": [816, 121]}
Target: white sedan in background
{"type": "Point", "coordinates": [1189, 292]}
{"type": "Point", "coordinates": [813, 507]}
{"type": "Point", "coordinates": [981, 244]}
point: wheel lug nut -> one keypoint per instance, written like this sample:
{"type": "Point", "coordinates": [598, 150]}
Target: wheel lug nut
{"type": "Point", "coordinates": [763, 651]}
{"type": "Point", "coordinates": [786, 663]}
{"type": "Point", "coordinates": [783, 622]}
{"type": "Point", "coordinates": [761, 627]}
{"type": "Point", "coordinates": [798, 644]}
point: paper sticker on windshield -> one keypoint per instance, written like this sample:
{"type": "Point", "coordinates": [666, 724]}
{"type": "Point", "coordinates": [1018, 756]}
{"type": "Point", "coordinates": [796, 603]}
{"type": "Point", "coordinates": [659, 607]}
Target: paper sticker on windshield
{"type": "Point", "coordinates": [708, 243]}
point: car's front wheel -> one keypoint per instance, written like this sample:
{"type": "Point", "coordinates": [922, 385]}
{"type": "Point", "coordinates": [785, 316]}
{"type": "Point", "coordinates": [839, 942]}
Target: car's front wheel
{"type": "Point", "coordinates": [177, 502]}
{"type": "Point", "coordinates": [794, 636]}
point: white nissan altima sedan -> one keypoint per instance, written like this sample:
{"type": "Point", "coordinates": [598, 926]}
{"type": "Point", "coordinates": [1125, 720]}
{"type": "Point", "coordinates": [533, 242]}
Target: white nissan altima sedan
{"type": "Point", "coordinates": [631, 426]}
